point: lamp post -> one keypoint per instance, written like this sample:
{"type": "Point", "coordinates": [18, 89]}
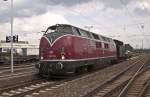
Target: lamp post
{"type": "Point", "coordinates": [142, 26]}
{"type": "Point", "coordinates": [11, 22]}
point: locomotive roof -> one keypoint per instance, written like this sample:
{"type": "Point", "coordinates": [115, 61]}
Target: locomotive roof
{"type": "Point", "coordinates": [54, 26]}
{"type": "Point", "coordinates": [103, 37]}
{"type": "Point", "coordinates": [118, 42]}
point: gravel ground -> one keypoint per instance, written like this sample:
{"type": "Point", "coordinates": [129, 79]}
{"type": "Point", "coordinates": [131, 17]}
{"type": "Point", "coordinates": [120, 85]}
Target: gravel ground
{"type": "Point", "coordinates": [9, 79]}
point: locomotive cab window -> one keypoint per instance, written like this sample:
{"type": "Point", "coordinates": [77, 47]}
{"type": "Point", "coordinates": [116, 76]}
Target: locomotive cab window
{"type": "Point", "coordinates": [59, 29]}
{"type": "Point", "coordinates": [50, 29]}
{"type": "Point", "coordinates": [56, 31]}
{"type": "Point", "coordinates": [108, 39]}
{"type": "Point", "coordinates": [85, 33]}
{"type": "Point", "coordinates": [64, 29]}
{"type": "Point", "coordinates": [104, 38]}
{"type": "Point", "coordinates": [106, 45]}
{"type": "Point", "coordinates": [95, 36]}
{"type": "Point", "coordinates": [98, 45]}
{"type": "Point", "coordinates": [76, 31]}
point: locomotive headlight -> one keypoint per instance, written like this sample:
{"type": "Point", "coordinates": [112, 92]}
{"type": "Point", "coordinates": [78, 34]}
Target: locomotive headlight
{"type": "Point", "coordinates": [62, 57]}
{"type": "Point", "coordinates": [41, 57]}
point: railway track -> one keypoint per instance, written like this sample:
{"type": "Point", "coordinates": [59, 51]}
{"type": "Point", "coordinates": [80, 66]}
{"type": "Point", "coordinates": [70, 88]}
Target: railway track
{"type": "Point", "coordinates": [16, 70]}
{"type": "Point", "coordinates": [113, 87]}
{"type": "Point", "coordinates": [79, 86]}
{"type": "Point", "coordinates": [5, 70]}
{"type": "Point", "coordinates": [18, 90]}
{"type": "Point", "coordinates": [24, 88]}
{"type": "Point", "coordinates": [65, 88]}
{"type": "Point", "coordinates": [13, 80]}
{"type": "Point", "coordinates": [32, 88]}
{"type": "Point", "coordinates": [138, 84]}
{"type": "Point", "coordinates": [21, 74]}
{"type": "Point", "coordinates": [15, 75]}
{"type": "Point", "coordinates": [16, 66]}
{"type": "Point", "coordinates": [146, 89]}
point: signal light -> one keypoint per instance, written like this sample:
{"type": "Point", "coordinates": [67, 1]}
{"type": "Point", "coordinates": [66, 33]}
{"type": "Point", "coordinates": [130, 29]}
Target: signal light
{"type": "Point", "coordinates": [15, 38]}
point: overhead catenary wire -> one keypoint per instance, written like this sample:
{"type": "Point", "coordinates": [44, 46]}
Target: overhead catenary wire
{"type": "Point", "coordinates": [138, 27]}
{"type": "Point", "coordinates": [102, 26]}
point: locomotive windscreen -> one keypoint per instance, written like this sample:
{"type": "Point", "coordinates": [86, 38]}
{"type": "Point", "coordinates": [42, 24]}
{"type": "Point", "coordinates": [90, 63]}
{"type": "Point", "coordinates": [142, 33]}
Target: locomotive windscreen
{"type": "Point", "coordinates": [54, 32]}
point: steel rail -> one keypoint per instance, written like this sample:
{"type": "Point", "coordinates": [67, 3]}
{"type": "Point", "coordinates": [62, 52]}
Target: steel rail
{"type": "Point", "coordinates": [113, 78]}
{"type": "Point", "coordinates": [16, 66]}
{"type": "Point", "coordinates": [141, 94]}
{"type": "Point", "coordinates": [5, 89]}
{"type": "Point", "coordinates": [17, 74]}
{"type": "Point", "coordinates": [125, 89]}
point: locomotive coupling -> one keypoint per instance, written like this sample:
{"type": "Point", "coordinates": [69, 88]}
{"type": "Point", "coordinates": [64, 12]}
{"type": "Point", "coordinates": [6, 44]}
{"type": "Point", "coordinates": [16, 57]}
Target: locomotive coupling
{"type": "Point", "coordinates": [59, 65]}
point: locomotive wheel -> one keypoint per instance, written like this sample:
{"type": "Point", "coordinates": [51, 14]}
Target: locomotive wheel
{"type": "Point", "coordinates": [40, 74]}
{"type": "Point", "coordinates": [49, 74]}
{"type": "Point", "coordinates": [81, 69]}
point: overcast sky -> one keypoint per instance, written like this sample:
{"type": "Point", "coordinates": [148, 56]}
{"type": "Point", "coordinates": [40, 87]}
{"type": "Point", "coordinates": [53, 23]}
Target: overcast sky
{"type": "Point", "coordinates": [126, 20]}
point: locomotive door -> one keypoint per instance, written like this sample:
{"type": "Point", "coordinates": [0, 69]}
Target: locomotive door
{"type": "Point", "coordinates": [85, 51]}
{"type": "Point", "coordinates": [91, 47]}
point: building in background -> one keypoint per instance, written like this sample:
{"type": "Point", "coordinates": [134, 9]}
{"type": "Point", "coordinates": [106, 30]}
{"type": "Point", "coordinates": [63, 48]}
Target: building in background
{"type": "Point", "coordinates": [20, 48]}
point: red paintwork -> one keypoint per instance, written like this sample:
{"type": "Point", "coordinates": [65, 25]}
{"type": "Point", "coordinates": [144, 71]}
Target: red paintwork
{"type": "Point", "coordinates": [75, 48]}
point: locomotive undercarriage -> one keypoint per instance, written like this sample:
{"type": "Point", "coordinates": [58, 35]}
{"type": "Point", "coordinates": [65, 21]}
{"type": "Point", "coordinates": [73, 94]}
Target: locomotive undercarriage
{"type": "Point", "coordinates": [49, 68]}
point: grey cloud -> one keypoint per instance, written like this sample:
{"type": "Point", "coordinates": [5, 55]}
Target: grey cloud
{"type": "Point", "coordinates": [142, 12]}
{"type": "Point", "coordinates": [115, 4]}
{"type": "Point", "coordinates": [35, 7]}
{"type": "Point", "coordinates": [120, 4]}
{"type": "Point", "coordinates": [29, 8]}
{"type": "Point", "coordinates": [65, 2]}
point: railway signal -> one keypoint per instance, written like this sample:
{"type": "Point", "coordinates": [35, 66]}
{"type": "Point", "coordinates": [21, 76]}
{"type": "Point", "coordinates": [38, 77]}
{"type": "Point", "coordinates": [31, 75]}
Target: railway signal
{"type": "Point", "coordinates": [15, 38]}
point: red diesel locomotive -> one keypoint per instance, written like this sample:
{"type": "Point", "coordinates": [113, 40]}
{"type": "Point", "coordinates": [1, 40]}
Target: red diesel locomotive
{"type": "Point", "coordinates": [66, 49]}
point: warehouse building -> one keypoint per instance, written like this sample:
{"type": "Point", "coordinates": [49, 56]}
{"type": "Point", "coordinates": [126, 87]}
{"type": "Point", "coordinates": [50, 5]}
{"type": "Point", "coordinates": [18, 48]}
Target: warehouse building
{"type": "Point", "coordinates": [19, 48]}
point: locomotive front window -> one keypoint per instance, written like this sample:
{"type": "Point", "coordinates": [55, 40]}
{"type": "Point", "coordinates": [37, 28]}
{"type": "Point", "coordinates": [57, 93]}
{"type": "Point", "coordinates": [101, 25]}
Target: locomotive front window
{"type": "Point", "coordinates": [50, 31]}
{"type": "Point", "coordinates": [64, 29]}
{"type": "Point", "coordinates": [55, 32]}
